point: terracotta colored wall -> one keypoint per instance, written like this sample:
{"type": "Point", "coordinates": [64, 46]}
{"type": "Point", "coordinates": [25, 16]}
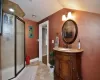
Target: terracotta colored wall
{"type": "Point", "coordinates": [89, 34]}
{"type": "Point", "coordinates": [31, 43]}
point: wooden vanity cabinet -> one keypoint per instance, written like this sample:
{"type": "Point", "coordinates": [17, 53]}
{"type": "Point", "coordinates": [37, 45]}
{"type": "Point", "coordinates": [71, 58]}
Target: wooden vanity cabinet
{"type": "Point", "coordinates": [67, 66]}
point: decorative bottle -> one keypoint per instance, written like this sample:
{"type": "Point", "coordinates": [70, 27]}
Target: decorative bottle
{"type": "Point", "coordinates": [57, 41]}
{"type": "Point", "coordinates": [79, 44]}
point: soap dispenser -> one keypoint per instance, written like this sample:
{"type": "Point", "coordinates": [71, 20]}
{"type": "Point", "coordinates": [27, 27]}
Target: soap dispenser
{"type": "Point", "coordinates": [79, 44]}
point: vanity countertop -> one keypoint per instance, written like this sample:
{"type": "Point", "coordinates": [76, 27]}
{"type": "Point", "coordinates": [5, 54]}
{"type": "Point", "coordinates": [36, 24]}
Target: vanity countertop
{"type": "Point", "coordinates": [68, 50]}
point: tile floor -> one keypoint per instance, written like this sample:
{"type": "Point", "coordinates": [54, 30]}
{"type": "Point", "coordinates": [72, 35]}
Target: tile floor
{"type": "Point", "coordinates": [6, 71]}
{"type": "Point", "coordinates": [36, 71]}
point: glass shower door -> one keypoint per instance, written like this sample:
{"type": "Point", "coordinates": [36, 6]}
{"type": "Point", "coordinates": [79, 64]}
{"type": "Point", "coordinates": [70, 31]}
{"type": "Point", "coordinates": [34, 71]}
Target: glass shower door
{"type": "Point", "coordinates": [8, 47]}
{"type": "Point", "coordinates": [12, 46]}
{"type": "Point", "coordinates": [20, 45]}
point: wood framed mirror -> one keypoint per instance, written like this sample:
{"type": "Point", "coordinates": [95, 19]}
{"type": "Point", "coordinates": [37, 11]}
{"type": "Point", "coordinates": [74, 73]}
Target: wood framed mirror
{"type": "Point", "coordinates": [69, 31]}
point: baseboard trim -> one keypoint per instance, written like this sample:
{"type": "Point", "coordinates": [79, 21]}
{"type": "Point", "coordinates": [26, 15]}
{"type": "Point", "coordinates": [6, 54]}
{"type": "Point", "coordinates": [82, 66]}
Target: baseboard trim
{"type": "Point", "coordinates": [33, 60]}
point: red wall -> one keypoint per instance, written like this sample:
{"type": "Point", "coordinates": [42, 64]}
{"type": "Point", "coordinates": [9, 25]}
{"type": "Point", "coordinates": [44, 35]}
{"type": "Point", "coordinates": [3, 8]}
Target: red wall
{"type": "Point", "coordinates": [31, 43]}
{"type": "Point", "coordinates": [89, 34]}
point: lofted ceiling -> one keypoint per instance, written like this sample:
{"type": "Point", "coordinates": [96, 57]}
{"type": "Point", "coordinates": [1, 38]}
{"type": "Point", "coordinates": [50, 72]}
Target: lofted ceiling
{"type": "Point", "coordinates": [41, 9]}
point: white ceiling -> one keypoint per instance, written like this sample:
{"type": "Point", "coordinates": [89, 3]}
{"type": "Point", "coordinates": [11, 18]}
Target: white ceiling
{"type": "Point", "coordinates": [44, 8]}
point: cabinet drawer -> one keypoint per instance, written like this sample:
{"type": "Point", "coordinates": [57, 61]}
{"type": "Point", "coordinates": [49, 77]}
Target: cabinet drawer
{"type": "Point", "coordinates": [56, 76]}
{"type": "Point", "coordinates": [63, 57]}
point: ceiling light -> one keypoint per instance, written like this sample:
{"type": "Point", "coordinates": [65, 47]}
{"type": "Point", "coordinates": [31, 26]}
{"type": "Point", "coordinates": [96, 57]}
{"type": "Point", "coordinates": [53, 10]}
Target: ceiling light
{"type": "Point", "coordinates": [33, 15]}
{"type": "Point", "coordinates": [11, 10]}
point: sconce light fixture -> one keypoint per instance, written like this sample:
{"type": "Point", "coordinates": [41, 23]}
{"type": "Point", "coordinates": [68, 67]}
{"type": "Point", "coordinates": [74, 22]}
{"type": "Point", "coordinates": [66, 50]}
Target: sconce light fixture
{"type": "Point", "coordinates": [66, 17]}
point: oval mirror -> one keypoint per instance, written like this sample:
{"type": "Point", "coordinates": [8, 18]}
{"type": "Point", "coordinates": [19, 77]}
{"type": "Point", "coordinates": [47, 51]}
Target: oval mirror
{"type": "Point", "coordinates": [69, 31]}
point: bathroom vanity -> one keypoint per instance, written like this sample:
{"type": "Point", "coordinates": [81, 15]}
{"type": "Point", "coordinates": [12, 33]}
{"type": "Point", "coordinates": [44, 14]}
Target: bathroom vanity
{"type": "Point", "coordinates": [68, 60]}
{"type": "Point", "coordinates": [67, 64]}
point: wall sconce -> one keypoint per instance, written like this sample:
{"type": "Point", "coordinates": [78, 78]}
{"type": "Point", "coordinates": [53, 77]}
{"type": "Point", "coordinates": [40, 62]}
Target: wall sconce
{"type": "Point", "coordinates": [68, 16]}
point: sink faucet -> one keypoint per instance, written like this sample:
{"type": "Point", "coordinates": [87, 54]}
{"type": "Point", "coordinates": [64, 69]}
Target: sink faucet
{"type": "Point", "coordinates": [68, 45]}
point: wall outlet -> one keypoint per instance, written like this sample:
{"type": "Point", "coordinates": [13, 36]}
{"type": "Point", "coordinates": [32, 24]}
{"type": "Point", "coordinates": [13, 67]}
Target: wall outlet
{"type": "Point", "coordinates": [52, 41]}
{"type": "Point", "coordinates": [38, 40]}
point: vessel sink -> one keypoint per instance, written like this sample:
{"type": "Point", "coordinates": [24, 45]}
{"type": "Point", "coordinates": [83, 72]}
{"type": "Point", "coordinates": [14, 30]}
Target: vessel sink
{"type": "Point", "coordinates": [70, 50]}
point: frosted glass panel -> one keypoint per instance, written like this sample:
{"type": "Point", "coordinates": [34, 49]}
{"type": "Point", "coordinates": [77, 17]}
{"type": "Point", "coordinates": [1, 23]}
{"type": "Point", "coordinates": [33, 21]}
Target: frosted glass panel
{"type": "Point", "coordinates": [19, 44]}
{"type": "Point", "coordinates": [12, 46]}
{"type": "Point", "coordinates": [8, 47]}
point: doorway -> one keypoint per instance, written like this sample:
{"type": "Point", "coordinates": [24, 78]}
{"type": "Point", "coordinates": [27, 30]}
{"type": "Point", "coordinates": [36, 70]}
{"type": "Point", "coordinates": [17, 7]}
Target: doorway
{"type": "Point", "coordinates": [44, 42]}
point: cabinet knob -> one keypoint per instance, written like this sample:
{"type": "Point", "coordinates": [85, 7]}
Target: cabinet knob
{"type": "Point", "coordinates": [78, 77]}
{"type": "Point", "coordinates": [73, 69]}
{"type": "Point", "coordinates": [70, 61]}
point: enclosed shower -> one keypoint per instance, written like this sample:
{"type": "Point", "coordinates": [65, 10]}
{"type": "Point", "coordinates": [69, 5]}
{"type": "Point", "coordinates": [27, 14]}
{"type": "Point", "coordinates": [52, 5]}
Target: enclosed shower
{"type": "Point", "coordinates": [12, 46]}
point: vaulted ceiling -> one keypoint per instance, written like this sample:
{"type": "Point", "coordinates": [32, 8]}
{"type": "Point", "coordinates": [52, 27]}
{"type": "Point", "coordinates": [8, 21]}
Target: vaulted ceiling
{"type": "Point", "coordinates": [40, 9]}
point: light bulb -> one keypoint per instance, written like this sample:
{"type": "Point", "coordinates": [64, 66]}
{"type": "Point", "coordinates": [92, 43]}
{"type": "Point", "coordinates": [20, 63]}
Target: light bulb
{"type": "Point", "coordinates": [64, 18]}
{"type": "Point", "coordinates": [11, 10]}
{"type": "Point", "coordinates": [69, 16]}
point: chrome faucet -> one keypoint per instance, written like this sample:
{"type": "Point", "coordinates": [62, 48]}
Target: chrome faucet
{"type": "Point", "coordinates": [67, 45]}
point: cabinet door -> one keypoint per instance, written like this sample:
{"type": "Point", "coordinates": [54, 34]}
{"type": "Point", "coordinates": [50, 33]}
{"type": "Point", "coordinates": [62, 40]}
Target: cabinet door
{"type": "Point", "coordinates": [65, 70]}
{"type": "Point", "coordinates": [74, 70]}
{"type": "Point", "coordinates": [77, 65]}
{"type": "Point", "coordinates": [56, 77]}
{"type": "Point", "coordinates": [57, 66]}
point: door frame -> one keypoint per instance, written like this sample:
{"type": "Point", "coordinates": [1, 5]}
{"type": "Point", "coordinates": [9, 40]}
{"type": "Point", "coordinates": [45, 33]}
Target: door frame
{"type": "Point", "coordinates": [40, 40]}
